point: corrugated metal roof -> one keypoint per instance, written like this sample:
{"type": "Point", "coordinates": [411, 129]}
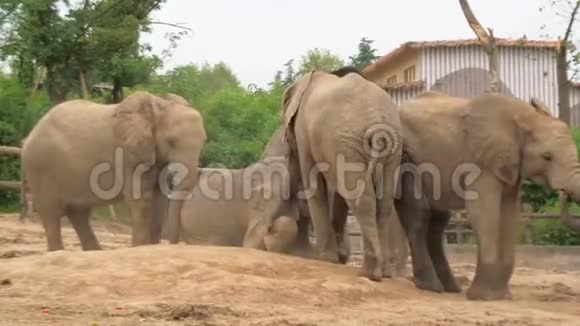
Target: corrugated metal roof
{"type": "Point", "coordinates": [389, 57]}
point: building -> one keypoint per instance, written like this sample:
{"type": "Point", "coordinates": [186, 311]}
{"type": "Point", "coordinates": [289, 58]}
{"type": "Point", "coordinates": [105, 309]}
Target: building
{"type": "Point", "coordinates": [460, 67]}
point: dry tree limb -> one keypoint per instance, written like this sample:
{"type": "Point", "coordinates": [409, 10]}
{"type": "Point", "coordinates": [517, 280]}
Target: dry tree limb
{"type": "Point", "coordinates": [488, 42]}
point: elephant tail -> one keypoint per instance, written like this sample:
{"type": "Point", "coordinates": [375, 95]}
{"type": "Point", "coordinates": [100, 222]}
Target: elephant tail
{"type": "Point", "coordinates": [368, 176]}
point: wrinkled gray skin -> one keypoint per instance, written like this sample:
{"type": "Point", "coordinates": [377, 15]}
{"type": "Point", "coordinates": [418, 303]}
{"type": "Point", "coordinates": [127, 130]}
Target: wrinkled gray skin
{"type": "Point", "coordinates": [236, 220]}
{"type": "Point", "coordinates": [277, 147]}
{"type": "Point", "coordinates": [327, 117]}
{"type": "Point", "coordinates": [571, 222]}
{"type": "Point", "coordinates": [233, 208]}
{"type": "Point", "coordinates": [507, 140]}
{"type": "Point", "coordinates": [130, 141]}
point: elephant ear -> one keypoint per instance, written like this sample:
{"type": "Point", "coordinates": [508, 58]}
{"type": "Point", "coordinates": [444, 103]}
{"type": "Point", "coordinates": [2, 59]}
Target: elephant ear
{"type": "Point", "coordinates": [493, 138]}
{"type": "Point", "coordinates": [135, 124]}
{"type": "Point", "coordinates": [291, 101]}
{"type": "Point", "coordinates": [540, 106]}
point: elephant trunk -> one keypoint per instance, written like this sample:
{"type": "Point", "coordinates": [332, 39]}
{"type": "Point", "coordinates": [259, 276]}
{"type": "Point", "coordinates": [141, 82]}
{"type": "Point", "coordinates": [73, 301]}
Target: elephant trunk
{"type": "Point", "coordinates": [178, 195]}
{"type": "Point", "coordinates": [570, 221]}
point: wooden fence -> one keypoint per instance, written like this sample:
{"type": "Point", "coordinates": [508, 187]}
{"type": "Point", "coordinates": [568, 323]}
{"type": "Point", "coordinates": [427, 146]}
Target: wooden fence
{"type": "Point", "coordinates": [21, 186]}
{"type": "Point", "coordinates": [26, 203]}
{"type": "Point", "coordinates": [459, 229]}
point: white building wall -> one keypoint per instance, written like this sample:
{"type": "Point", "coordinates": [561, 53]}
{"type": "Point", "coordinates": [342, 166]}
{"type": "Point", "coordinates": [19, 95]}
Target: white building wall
{"type": "Point", "coordinates": [525, 72]}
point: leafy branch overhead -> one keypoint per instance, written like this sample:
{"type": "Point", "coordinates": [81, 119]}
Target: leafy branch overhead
{"type": "Point", "coordinates": [78, 43]}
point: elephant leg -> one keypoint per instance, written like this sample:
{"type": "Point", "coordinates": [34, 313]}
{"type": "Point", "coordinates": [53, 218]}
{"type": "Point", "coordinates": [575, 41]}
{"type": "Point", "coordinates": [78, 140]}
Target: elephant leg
{"type": "Point", "coordinates": [51, 221]}
{"type": "Point", "coordinates": [79, 218]}
{"type": "Point", "coordinates": [415, 221]}
{"type": "Point", "coordinates": [339, 213]}
{"type": "Point", "coordinates": [139, 198]}
{"type": "Point", "coordinates": [318, 206]}
{"type": "Point", "coordinates": [323, 231]}
{"type": "Point", "coordinates": [303, 237]}
{"type": "Point", "coordinates": [437, 225]}
{"type": "Point", "coordinates": [160, 209]}
{"type": "Point", "coordinates": [485, 215]}
{"type": "Point", "coordinates": [414, 214]}
{"type": "Point", "coordinates": [510, 221]}
{"type": "Point", "coordinates": [366, 216]}
{"type": "Point", "coordinates": [391, 234]}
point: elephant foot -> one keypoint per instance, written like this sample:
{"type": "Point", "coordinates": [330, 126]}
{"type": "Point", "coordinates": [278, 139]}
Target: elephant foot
{"type": "Point", "coordinates": [375, 275]}
{"type": "Point", "coordinates": [92, 248]}
{"type": "Point", "coordinates": [372, 269]}
{"type": "Point", "coordinates": [429, 285]}
{"type": "Point", "coordinates": [330, 257]}
{"type": "Point", "coordinates": [482, 293]}
{"type": "Point", "coordinates": [489, 284]}
{"type": "Point", "coordinates": [428, 281]}
{"type": "Point", "coordinates": [387, 271]}
{"type": "Point", "coordinates": [451, 286]}
{"type": "Point", "coordinates": [343, 257]}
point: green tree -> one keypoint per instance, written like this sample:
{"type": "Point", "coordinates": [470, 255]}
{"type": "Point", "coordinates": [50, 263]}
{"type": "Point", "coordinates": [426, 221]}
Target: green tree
{"type": "Point", "coordinates": [73, 40]}
{"type": "Point", "coordinates": [319, 59]}
{"type": "Point", "coordinates": [365, 56]}
{"type": "Point", "coordinates": [18, 114]}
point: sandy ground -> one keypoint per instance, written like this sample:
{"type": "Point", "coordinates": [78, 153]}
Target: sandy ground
{"type": "Point", "coordinates": [190, 285]}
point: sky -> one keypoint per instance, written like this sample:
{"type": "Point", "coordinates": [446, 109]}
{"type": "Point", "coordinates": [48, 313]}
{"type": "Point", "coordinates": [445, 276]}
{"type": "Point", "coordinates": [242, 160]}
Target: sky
{"type": "Point", "coordinates": [256, 37]}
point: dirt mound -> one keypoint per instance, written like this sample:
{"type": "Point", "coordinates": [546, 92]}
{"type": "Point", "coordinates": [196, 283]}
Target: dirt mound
{"type": "Point", "coordinates": [173, 285]}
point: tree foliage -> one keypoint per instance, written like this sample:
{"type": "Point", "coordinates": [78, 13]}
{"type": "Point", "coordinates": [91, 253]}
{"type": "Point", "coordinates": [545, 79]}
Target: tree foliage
{"type": "Point", "coordinates": [72, 39]}
{"type": "Point", "coordinates": [366, 54]}
{"type": "Point", "coordinates": [319, 59]}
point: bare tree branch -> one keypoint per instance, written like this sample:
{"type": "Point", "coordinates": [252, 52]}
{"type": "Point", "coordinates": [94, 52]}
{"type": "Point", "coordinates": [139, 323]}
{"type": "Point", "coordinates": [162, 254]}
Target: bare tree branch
{"type": "Point", "coordinates": [571, 22]}
{"type": "Point", "coordinates": [474, 23]}
{"type": "Point", "coordinates": [564, 105]}
{"type": "Point", "coordinates": [172, 25]}
{"type": "Point", "coordinates": [489, 45]}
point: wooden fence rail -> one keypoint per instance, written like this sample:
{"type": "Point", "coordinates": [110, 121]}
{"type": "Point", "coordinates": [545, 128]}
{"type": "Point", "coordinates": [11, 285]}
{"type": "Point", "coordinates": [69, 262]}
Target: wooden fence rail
{"type": "Point", "coordinates": [459, 229]}
{"type": "Point", "coordinates": [26, 203]}
{"type": "Point", "coordinates": [9, 150]}
{"type": "Point", "coordinates": [21, 186]}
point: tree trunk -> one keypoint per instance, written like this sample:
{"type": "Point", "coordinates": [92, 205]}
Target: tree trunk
{"type": "Point", "coordinates": [563, 84]}
{"type": "Point", "coordinates": [83, 82]}
{"type": "Point", "coordinates": [491, 49]}
{"type": "Point", "coordinates": [487, 41]}
{"type": "Point", "coordinates": [55, 88]}
{"type": "Point", "coordinates": [562, 63]}
{"type": "Point", "coordinates": [117, 90]}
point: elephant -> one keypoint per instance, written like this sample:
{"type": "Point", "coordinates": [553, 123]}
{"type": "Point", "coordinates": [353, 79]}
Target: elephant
{"type": "Point", "coordinates": [229, 208]}
{"type": "Point", "coordinates": [82, 155]}
{"type": "Point", "coordinates": [473, 154]}
{"type": "Point", "coordinates": [277, 146]}
{"type": "Point", "coordinates": [567, 219]}
{"type": "Point", "coordinates": [247, 207]}
{"type": "Point", "coordinates": [333, 124]}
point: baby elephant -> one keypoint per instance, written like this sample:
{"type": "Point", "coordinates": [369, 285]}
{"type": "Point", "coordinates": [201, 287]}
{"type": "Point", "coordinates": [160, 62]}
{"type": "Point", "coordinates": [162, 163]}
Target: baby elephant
{"type": "Point", "coordinates": [245, 207]}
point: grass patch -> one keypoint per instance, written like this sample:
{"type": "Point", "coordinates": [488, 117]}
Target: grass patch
{"type": "Point", "coordinates": [554, 232]}
{"type": "Point", "coordinates": [10, 208]}
{"type": "Point", "coordinates": [103, 213]}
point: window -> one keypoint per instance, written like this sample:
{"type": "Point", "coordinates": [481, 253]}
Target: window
{"type": "Point", "coordinates": [409, 74]}
{"type": "Point", "coordinates": [392, 80]}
